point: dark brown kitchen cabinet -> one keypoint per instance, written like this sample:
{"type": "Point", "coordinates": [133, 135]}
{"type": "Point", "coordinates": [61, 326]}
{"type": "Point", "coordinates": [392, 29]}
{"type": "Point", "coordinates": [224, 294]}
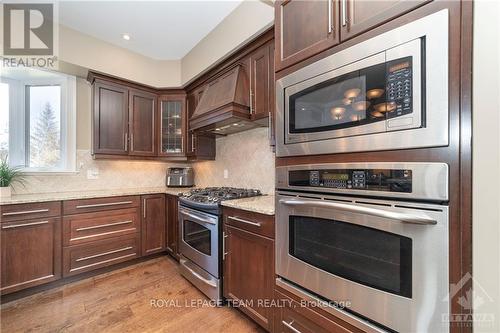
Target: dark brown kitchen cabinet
{"type": "Point", "coordinates": [261, 75]}
{"type": "Point", "coordinates": [304, 28]}
{"type": "Point", "coordinates": [30, 253]}
{"type": "Point", "coordinates": [172, 225]}
{"type": "Point", "coordinates": [142, 120]}
{"type": "Point", "coordinates": [153, 223]}
{"type": "Point", "coordinates": [172, 125]}
{"type": "Point", "coordinates": [249, 263]}
{"type": "Point", "coordinates": [110, 119]}
{"type": "Point", "coordinates": [358, 16]}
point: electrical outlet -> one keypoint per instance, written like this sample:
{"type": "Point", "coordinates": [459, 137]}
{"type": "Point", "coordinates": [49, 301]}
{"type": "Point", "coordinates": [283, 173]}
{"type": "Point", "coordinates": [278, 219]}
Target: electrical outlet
{"type": "Point", "coordinates": [93, 173]}
{"type": "Point", "coordinates": [226, 174]}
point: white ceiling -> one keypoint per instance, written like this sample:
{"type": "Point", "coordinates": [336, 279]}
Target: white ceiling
{"type": "Point", "coordinates": [165, 30]}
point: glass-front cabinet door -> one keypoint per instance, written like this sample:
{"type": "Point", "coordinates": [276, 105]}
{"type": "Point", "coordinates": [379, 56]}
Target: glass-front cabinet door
{"type": "Point", "coordinates": [172, 124]}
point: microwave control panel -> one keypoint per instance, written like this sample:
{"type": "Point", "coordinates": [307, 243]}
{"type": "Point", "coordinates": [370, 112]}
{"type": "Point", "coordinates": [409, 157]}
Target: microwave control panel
{"type": "Point", "coordinates": [386, 180]}
{"type": "Point", "coordinates": [399, 87]}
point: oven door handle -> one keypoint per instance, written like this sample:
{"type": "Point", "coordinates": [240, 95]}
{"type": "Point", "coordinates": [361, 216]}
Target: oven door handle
{"type": "Point", "coordinates": [198, 218]}
{"type": "Point", "coordinates": [198, 276]}
{"type": "Point", "coordinates": [401, 217]}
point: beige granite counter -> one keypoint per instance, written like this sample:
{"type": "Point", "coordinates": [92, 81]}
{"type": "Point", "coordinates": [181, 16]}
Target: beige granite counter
{"type": "Point", "coordinates": [57, 196]}
{"type": "Point", "coordinates": [262, 204]}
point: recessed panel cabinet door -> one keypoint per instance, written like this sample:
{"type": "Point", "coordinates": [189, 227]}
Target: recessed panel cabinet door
{"type": "Point", "coordinates": [249, 273]}
{"type": "Point", "coordinates": [304, 28]}
{"type": "Point", "coordinates": [357, 16]}
{"type": "Point", "coordinates": [142, 123]}
{"type": "Point", "coordinates": [110, 119]}
{"type": "Point", "coordinates": [153, 223]}
{"type": "Point", "coordinates": [260, 82]}
{"type": "Point", "coordinates": [172, 227]}
{"type": "Point", "coordinates": [30, 253]}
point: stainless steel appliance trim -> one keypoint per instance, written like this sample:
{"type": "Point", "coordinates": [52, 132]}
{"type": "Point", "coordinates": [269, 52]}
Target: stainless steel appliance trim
{"type": "Point", "coordinates": [345, 316]}
{"type": "Point", "coordinates": [429, 180]}
{"type": "Point", "coordinates": [104, 204]}
{"type": "Point", "coordinates": [430, 266]}
{"type": "Point", "coordinates": [104, 254]}
{"type": "Point", "coordinates": [401, 217]}
{"type": "Point", "coordinates": [26, 212]}
{"type": "Point", "coordinates": [257, 224]}
{"type": "Point", "coordinates": [212, 289]}
{"type": "Point", "coordinates": [201, 278]}
{"type": "Point", "coordinates": [24, 225]}
{"type": "Point", "coordinates": [434, 28]}
{"type": "Point", "coordinates": [209, 263]}
{"type": "Point", "coordinates": [104, 225]}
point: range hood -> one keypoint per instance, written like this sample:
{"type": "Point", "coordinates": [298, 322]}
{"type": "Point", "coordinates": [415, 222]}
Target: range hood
{"type": "Point", "coordinates": [224, 107]}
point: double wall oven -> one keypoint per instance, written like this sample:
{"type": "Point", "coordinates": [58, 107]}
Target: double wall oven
{"type": "Point", "coordinates": [371, 234]}
{"type": "Point", "coordinates": [389, 92]}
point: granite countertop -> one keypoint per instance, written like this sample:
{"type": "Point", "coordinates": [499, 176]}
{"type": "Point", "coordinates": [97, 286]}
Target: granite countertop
{"type": "Point", "coordinates": [57, 196]}
{"type": "Point", "coordinates": [262, 204]}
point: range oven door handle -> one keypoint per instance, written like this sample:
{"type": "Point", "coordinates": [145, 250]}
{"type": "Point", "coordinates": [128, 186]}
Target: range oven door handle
{"type": "Point", "coordinates": [401, 217]}
{"type": "Point", "coordinates": [198, 276]}
{"type": "Point", "coordinates": [198, 218]}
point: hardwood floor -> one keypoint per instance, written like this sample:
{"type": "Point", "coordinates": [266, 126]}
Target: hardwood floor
{"type": "Point", "coordinates": [147, 297]}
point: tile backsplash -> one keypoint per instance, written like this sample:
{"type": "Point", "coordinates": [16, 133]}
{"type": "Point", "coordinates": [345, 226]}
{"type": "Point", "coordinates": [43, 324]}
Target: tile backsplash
{"type": "Point", "coordinates": [246, 156]}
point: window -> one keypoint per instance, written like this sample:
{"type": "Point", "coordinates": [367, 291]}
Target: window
{"type": "Point", "coordinates": [37, 121]}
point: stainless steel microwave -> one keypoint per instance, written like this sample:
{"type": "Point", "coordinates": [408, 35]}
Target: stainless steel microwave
{"type": "Point", "coordinates": [389, 92]}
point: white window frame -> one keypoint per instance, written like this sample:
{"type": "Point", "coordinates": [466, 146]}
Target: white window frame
{"type": "Point", "coordinates": [19, 133]}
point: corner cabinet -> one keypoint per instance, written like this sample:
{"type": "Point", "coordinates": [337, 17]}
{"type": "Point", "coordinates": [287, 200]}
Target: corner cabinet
{"type": "Point", "coordinates": [172, 125]}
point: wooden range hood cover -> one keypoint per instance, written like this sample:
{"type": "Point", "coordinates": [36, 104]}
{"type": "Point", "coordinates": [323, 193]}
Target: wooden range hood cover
{"type": "Point", "coordinates": [225, 100]}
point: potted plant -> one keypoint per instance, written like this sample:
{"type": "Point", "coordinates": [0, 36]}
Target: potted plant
{"type": "Point", "coordinates": [8, 176]}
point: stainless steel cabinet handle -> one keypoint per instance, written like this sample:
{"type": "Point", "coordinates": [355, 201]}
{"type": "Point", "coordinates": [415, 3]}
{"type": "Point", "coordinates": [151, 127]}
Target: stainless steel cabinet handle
{"type": "Point", "coordinates": [401, 217]}
{"type": "Point", "coordinates": [144, 205]}
{"type": "Point", "coordinates": [330, 16]}
{"type": "Point", "coordinates": [131, 141]}
{"type": "Point", "coordinates": [198, 276]}
{"type": "Point", "coordinates": [26, 212]}
{"type": "Point", "coordinates": [344, 13]}
{"type": "Point", "coordinates": [104, 254]}
{"type": "Point", "coordinates": [24, 225]}
{"type": "Point", "coordinates": [126, 141]}
{"type": "Point", "coordinates": [289, 325]}
{"type": "Point", "coordinates": [257, 224]}
{"type": "Point", "coordinates": [224, 253]}
{"type": "Point", "coordinates": [192, 142]}
{"type": "Point", "coordinates": [251, 104]}
{"type": "Point", "coordinates": [269, 123]}
{"type": "Point", "coordinates": [103, 225]}
{"type": "Point", "coordinates": [104, 204]}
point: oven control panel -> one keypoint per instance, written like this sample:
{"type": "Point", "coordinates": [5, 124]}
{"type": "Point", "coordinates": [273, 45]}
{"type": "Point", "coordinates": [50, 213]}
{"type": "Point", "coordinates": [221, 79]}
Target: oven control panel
{"type": "Point", "coordinates": [399, 87]}
{"type": "Point", "coordinates": [387, 180]}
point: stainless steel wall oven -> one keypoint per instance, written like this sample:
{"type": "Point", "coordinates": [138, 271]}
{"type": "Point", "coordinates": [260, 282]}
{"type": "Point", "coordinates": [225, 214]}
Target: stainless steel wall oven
{"type": "Point", "coordinates": [387, 257]}
{"type": "Point", "coordinates": [389, 92]}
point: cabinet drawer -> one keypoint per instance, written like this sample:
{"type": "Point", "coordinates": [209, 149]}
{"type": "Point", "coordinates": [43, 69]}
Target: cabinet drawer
{"type": "Point", "coordinates": [99, 204]}
{"type": "Point", "coordinates": [36, 210]}
{"type": "Point", "coordinates": [88, 227]}
{"type": "Point", "coordinates": [254, 222]}
{"type": "Point", "coordinates": [292, 318]}
{"type": "Point", "coordinates": [89, 256]}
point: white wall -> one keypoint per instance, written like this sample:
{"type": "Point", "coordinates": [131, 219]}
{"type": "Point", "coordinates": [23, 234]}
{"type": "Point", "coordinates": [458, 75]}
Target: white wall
{"type": "Point", "coordinates": [83, 50]}
{"type": "Point", "coordinates": [246, 21]}
{"type": "Point", "coordinates": [486, 162]}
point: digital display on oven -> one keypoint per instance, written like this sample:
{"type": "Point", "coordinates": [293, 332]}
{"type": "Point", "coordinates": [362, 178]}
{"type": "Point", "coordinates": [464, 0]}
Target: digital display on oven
{"type": "Point", "coordinates": [395, 180]}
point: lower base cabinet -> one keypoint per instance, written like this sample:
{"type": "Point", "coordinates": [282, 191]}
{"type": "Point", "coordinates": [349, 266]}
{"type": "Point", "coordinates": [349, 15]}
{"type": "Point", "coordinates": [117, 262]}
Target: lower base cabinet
{"type": "Point", "coordinates": [153, 223]}
{"type": "Point", "coordinates": [172, 225]}
{"type": "Point", "coordinates": [249, 264]}
{"type": "Point", "coordinates": [30, 253]}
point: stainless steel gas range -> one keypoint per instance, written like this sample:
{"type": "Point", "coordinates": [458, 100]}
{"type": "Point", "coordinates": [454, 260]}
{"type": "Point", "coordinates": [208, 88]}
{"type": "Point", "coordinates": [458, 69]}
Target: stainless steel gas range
{"type": "Point", "coordinates": [200, 230]}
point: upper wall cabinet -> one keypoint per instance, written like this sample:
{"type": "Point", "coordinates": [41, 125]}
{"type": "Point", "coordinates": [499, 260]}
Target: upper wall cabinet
{"type": "Point", "coordinates": [110, 119]}
{"type": "Point", "coordinates": [142, 119]}
{"type": "Point", "coordinates": [172, 127]}
{"type": "Point", "coordinates": [261, 81]}
{"type": "Point", "coordinates": [358, 16]}
{"type": "Point", "coordinates": [304, 28]}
